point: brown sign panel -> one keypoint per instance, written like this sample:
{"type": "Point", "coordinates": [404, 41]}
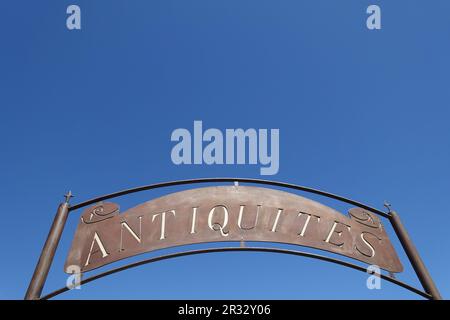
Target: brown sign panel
{"type": "Point", "coordinates": [228, 213]}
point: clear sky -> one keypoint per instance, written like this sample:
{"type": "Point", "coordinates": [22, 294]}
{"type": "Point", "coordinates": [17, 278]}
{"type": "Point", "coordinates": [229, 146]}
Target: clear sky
{"type": "Point", "coordinates": [361, 113]}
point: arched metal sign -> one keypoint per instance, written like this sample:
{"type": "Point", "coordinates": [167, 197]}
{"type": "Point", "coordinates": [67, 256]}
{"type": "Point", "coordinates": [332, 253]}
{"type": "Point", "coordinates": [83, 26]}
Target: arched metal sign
{"type": "Point", "coordinates": [227, 213]}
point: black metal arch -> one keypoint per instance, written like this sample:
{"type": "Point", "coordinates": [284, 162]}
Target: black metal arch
{"type": "Point", "coordinates": [215, 180]}
{"type": "Point", "coordinates": [237, 249]}
{"type": "Point", "coordinates": [42, 268]}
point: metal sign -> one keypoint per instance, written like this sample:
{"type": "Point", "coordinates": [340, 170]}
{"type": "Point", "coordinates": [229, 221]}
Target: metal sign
{"type": "Point", "coordinates": [228, 213]}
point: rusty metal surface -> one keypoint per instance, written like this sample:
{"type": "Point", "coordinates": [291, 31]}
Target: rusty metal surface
{"type": "Point", "coordinates": [227, 213]}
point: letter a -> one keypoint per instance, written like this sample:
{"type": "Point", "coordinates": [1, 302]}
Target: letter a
{"type": "Point", "coordinates": [374, 20]}
{"type": "Point", "coordinates": [74, 20]}
{"type": "Point", "coordinates": [373, 281]}
{"type": "Point", "coordinates": [181, 152]}
{"type": "Point", "coordinates": [100, 245]}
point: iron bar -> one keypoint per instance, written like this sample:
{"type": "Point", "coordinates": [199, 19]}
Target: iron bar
{"type": "Point", "coordinates": [212, 180]}
{"type": "Point", "coordinates": [414, 257]}
{"type": "Point", "coordinates": [48, 252]}
{"type": "Point", "coordinates": [237, 249]}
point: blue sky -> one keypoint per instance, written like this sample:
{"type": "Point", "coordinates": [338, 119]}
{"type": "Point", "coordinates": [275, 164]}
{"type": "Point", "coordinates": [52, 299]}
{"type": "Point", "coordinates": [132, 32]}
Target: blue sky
{"type": "Point", "coordinates": [361, 113]}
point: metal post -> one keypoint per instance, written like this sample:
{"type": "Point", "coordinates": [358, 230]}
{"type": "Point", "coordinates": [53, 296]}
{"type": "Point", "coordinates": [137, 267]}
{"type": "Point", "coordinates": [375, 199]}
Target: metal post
{"type": "Point", "coordinates": [48, 252]}
{"type": "Point", "coordinates": [414, 257]}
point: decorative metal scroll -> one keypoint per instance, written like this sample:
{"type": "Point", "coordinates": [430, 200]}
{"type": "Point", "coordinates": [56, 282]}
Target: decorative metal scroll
{"type": "Point", "coordinates": [228, 213]}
